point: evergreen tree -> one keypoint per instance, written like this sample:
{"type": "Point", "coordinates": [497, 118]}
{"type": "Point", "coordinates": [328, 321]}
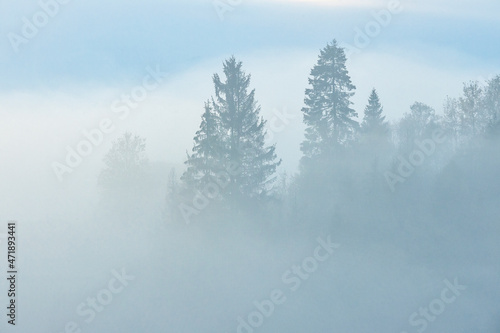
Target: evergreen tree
{"type": "Point", "coordinates": [328, 115]}
{"type": "Point", "coordinates": [374, 123]}
{"type": "Point", "coordinates": [231, 140]}
{"type": "Point", "coordinates": [375, 146]}
{"type": "Point", "coordinates": [327, 179]}
{"type": "Point", "coordinates": [204, 162]}
{"type": "Point", "coordinates": [244, 139]}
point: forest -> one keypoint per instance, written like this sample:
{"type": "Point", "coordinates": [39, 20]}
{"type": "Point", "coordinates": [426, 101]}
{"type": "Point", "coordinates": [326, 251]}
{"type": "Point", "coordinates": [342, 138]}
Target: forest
{"type": "Point", "coordinates": [354, 164]}
{"type": "Point", "coordinates": [250, 166]}
{"type": "Point", "coordinates": [386, 226]}
{"type": "Point", "coordinates": [399, 209]}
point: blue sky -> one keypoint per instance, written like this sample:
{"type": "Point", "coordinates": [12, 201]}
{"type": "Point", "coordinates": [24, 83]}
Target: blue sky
{"type": "Point", "coordinates": [111, 42]}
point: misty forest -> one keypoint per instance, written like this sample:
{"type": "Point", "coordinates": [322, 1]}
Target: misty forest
{"type": "Point", "coordinates": [386, 226]}
{"type": "Point", "coordinates": [408, 205]}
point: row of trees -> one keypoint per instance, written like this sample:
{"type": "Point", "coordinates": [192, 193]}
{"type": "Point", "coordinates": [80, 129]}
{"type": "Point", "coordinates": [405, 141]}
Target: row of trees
{"type": "Point", "coordinates": [232, 167]}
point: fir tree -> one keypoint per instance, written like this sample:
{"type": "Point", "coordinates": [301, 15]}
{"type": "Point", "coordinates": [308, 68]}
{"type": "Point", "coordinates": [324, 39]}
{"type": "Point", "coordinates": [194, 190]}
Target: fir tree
{"type": "Point", "coordinates": [328, 115]}
{"type": "Point", "coordinates": [374, 123]}
{"type": "Point", "coordinates": [231, 140]}
{"type": "Point", "coordinates": [375, 145]}
{"type": "Point", "coordinates": [204, 162]}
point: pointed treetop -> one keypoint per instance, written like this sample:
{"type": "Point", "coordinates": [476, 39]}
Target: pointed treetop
{"type": "Point", "coordinates": [329, 118]}
{"type": "Point", "coordinates": [373, 120]}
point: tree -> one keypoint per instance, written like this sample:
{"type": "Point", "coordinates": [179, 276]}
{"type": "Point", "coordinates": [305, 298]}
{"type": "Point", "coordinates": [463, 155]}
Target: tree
{"type": "Point", "coordinates": [328, 114]}
{"type": "Point", "coordinates": [204, 162]}
{"type": "Point", "coordinates": [416, 125]}
{"type": "Point", "coordinates": [231, 140]}
{"type": "Point", "coordinates": [125, 163]}
{"type": "Point", "coordinates": [452, 121]}
{"type": "Point", "coordinates": [125, 179]}
{"type": "Point", "coordinates": [375, 144]}
{"type": "Point", "coordinates": [327, 174]}
{"type": "Point", "coordinates": [374, 123]}
{"type": "Point", "coordinates": [172, 197]}
{"type": "Point", "coordinates": [492, 104]}
{"type": "Point", "coordinates": [472, 111]}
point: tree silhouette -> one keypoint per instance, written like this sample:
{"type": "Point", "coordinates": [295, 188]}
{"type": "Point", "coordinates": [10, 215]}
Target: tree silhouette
{"type": "Point", "coordinates": [125, 163]}
{"type": "Point", "coordinates": [328, 115]}
{"type": "Point", "coordinates": [231, 141]}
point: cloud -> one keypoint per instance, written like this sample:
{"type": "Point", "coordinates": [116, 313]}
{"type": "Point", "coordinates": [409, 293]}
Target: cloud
{"type": "Point", "coordinates": [337, 3]}
{"type": "Point", "coordinates": [481, 9]}
{"type": "Point", "coordinates": [128, 36]}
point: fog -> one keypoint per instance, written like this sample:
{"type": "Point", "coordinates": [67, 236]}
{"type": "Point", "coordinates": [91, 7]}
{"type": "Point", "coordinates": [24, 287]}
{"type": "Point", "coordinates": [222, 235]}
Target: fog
{"type": "Point", "coordinates": [179, 168]}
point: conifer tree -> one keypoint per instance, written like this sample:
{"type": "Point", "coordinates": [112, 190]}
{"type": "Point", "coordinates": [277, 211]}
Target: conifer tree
{"type": "Point", "coordinates": [375, 145]}
{"type": "Point", "coordinates": [374, 123]}
{"type": "Point", "coordinates": [231, 141]}
{"type": "Point", "coordinates": [203, 163]}
{"type": "Point", "coordinates": [244, 134]}
{"type": "Point", "coordinates": [328, 115]}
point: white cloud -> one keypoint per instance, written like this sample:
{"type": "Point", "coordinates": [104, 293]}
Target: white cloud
{"type": "Point", "coordinates": [487, 9]}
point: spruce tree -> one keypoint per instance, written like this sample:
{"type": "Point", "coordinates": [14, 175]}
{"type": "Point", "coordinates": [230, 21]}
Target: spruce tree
{"type": "Point", "coordinates": [331, 128]}
{"type": "Point", "coordinates": [328, 115]}
{"type": "Point", "coordinates": [375, 144]}
{"type": "Point", "coordinates": [203, 163]}
{"type": "Point", "coordinates": [374, 124]}
{"type": "Point", "coordinates": [231, 140]}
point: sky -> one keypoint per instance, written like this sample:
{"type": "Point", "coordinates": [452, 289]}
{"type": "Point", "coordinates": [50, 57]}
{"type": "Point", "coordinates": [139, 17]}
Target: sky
{"type": "Point", "coordinates": [62, 77]}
